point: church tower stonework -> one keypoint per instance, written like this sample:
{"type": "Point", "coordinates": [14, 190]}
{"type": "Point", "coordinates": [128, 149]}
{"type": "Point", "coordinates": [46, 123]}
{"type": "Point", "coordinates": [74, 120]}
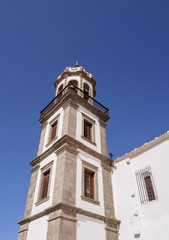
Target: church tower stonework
{"type": "Point", "coordinates": [70, 195]}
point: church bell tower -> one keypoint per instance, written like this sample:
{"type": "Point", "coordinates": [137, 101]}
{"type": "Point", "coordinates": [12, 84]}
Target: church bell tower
{"type": "Point", "coordinates": [70, 195]}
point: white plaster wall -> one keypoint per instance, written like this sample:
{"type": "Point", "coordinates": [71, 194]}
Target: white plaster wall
{"type": "Point", "coordinates": [153, 218]}
{"type": "Point", "coordinates": [90, 228]}
{"type": "Point", "coordinates": [42, 206]}
{"type": "Point", "coordinates": [59, 128]}
{"type": "Point", "coordinates": [38, 229]}
{"type": "Point", "coordinates": [99, 209]}
{"type": "Point", "coordinates": [79, 129]}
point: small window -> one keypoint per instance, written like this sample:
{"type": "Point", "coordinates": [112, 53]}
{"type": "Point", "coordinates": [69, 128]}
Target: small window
{"type": "Point", "coordinates": [87, 130]}
{"type": "Point", "coordinates": [45, 184]}
{"type": "Point", "coordinates": [53, 130]}
{"type": "Point", "coordinates": [89, 183]}
{"type": "Point", "coordinates": [146, 186]}
{"type": "Point", "coordinates": [149, 187]}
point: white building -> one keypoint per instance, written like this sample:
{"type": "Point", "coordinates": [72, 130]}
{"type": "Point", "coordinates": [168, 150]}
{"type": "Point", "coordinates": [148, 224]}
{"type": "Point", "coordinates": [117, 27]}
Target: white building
{"type": "Point", "coordinates": [141, 194]}
{"type": "Point", "coordinates": [76, 192]}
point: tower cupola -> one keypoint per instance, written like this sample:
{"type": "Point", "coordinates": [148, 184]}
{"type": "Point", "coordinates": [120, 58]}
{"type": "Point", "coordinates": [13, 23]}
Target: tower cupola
{"type": "Point", "coordinates": [79, 77]}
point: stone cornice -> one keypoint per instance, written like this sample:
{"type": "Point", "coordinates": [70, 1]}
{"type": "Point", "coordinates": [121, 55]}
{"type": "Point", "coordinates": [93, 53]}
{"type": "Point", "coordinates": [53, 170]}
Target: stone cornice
{"type": "Point", "coordinates": [146, 146]}
{"type": "Point", "coordinates": [72, 144]}
{"type": "Point", "coordinates": [71, 95]}
{"type": "Point", "coordinates": [71, 209]}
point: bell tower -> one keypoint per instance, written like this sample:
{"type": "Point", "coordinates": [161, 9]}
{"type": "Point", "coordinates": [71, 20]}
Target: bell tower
{"type": "Point", "coordinates": [70, 195]}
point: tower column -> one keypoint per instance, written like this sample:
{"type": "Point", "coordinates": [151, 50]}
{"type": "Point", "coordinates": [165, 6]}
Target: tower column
{"type": "Point", "coordinates": [111, 227]}
{"type": "Point", "coordinates": [69, 119]}
{"type": "Point", "coordinates": [42, 138]}
{"type": "Point", "coordinates": [29, 203]}
{"type": "Point", "coordinates": [103, 137]}
{"type": "Point", "coordinates": [62, 222]}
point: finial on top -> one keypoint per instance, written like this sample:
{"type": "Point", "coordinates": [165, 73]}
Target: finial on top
{"type": "Point", "coordinates": [76, 65]}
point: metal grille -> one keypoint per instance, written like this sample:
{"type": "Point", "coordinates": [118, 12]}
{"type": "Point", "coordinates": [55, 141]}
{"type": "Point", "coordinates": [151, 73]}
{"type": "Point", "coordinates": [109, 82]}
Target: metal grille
{"type": "Point", "coordinates": [146, 186]}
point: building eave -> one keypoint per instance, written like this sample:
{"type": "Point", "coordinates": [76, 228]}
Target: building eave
{"type": "Point", "coordinates": [146, 146]}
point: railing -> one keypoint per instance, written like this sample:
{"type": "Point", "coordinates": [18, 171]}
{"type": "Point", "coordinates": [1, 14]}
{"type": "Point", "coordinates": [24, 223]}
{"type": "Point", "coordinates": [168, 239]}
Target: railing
{"type": "Point", "coordinates": [79, 92]}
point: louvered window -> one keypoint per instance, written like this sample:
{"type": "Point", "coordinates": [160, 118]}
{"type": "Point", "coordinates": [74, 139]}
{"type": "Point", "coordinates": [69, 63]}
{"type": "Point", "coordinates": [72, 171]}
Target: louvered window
{"type": "Point", "coordinates": [45, 184]}
{"type": "Point", "coordinates": [87, 129]}
{"type": "Point", "coordinates": [53, 130]}
{"type": "Point", "coordinates": [89, 183]}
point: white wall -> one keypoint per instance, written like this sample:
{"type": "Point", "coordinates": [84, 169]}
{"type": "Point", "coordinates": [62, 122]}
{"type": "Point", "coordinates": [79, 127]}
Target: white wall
{"type": "Point", "coordinates": [153, 218]}
{"type": "Point", "coordinates": [38, 229]}
{"type": "Point", "coordinates": [89, 228]}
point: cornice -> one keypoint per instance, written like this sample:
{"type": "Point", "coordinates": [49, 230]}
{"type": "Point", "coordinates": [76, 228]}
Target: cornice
{"type": "Point", "coordinates": [72, 145]}
{"type": "Point", "coordinates": [146, 146]}
{"type": "Point", "coordinates": [71, 209]}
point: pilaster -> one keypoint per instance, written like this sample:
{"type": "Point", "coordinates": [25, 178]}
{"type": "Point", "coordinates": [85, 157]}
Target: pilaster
{"type": "Point", "coordinates": [103, 137]}
{"type": "Point", "coordinates": [42, 138]}
{"type": "Point", "coordinates": [62, 223]}
{"type": "Point", "coordinates": [69, 119]}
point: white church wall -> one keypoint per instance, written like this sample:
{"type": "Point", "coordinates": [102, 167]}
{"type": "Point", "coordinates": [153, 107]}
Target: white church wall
{"type": "Point", "coordinates": [151, 220]}
{"type": "Point", "coordinates": [38, 229]}
{"type": "Point", "coordinates": [79, 129]}
{"type": "Point", "coordinates": [48, 203]}
{"type": "Point", "coordinates": [88, 206]}
{"type": "Point", "coordinates": [90, 228]}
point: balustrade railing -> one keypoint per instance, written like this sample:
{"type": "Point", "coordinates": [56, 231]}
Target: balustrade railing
{"type": "Point", "coordinates": [79, 92]}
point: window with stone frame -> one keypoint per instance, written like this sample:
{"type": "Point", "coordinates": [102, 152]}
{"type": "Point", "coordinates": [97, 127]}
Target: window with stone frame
{"type": "Point", "coordinates": [89, 183]}
{"type": "Point", "coordinates": [88, 129]}
{"type": "Point", "coordinates": [146, 186]}
{"type": "Point", "coordinates": [53, 130]}
{"type": "Point", "coordinates": [44, 186]}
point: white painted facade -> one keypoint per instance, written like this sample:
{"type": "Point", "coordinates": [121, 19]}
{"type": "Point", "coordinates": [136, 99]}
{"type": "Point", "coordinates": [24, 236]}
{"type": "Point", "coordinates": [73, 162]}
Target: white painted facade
{"type": "Point", "coordinates": [149, 220]}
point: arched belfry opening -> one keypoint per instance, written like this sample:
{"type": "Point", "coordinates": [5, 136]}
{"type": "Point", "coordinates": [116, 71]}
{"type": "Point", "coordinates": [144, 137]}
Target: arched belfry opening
{"type": "Point", "coordinates": [86, 90]}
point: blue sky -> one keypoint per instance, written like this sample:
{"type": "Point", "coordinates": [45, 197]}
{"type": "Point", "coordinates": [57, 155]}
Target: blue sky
{"type": "Point", "coordinates": [124, 44]}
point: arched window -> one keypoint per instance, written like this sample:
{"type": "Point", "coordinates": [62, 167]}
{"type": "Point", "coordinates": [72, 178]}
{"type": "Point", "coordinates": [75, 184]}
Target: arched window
{"type": "Point", "coordinates": [86, 90]}
{"type": "Point", "coordinates": [60, 89]}
{"type": "Point", "coordinates": [149, 188]}
{"type": "Point", "coordinates": [74, 82]}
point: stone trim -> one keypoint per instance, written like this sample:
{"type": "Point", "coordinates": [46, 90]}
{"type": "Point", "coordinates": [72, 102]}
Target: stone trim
{"type": "Point", "coordinates": [102, 123]}
{"type": "Point", "coordinates": [70, 103]}
{"type": "Point", "coordinates": [88, 140]}
{"type": "Point", "coordinates": [56, 119]}
{"type": "Point", "coordinates": [42, 138]}
{"type": "Point", "coordinates": [66, 207]}
{"type": "Point", "coordinates": [42, 201]}
{"type": "Point", "coordinates": [71, 142]}
{"type": "Point", "coordinates": [90, 200]}
{"type": "Point", "coordinates": [34, 169]}
{"type": "Point", "coordinates": [144, 147]}
{"type": "Point", "coordinates": [67, 148]}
